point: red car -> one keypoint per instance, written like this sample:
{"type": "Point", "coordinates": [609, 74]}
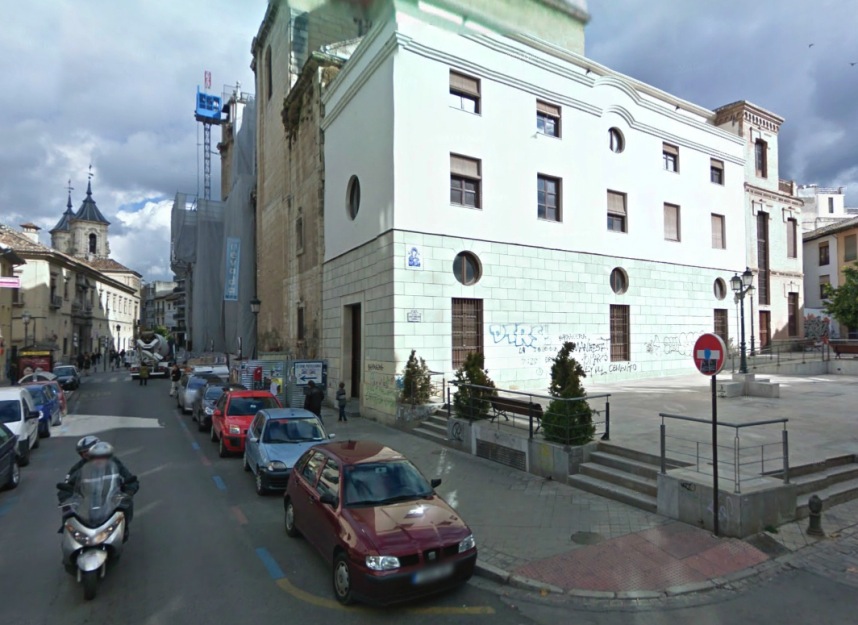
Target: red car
{"type": "Point", "coordinates": [373, 515]}
{"type": "Point", "coordinates": [232, 415]}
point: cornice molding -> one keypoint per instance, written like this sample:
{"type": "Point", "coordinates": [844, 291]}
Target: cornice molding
{"type": "Point", "coordinates": [774, 196]}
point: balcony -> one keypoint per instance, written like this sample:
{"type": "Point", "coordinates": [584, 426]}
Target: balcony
{"type": "Point", "coordinates": [56, 302]}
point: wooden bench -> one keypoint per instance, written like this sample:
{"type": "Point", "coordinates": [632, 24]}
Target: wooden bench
{"type": "Point", "coordinates": [844, 348]}
{"type": "Point", "coordinates": [505, 406]}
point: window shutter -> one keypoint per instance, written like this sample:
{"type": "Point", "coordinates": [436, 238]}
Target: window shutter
{"type": "Point", "coordinates": [716, 164]}
{"type": "Point", "coordinates": [671, 222]}
{"type": "Point", "coordinates": [616, 203]}
{"type": "Point", "coordinates": [670, 149]}
{"type": "Point", "coordinates": [463, 166]}
{"type": "Point", "coordinates": [464, 84]}
{"type": "Point", "coordinates": [718, 232]}
{"type": "Point", "coordinates": [548, 109]}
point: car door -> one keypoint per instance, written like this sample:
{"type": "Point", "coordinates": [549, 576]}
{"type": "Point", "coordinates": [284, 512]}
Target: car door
{"type": "Point", "coordinates": [218, 414]}
{"type": "Point", "coordinates": [328, 520]}
{"type": "Point", "coordinates": [183, 387]}
{"type": "Point", "coordinates": [252, 449]}
{"type": "Point", "coordinates": [7, 454]}
{"type": "Point", "coordinates": [30, 426]}
{"type": "Point", "coordinates": [306, 498]}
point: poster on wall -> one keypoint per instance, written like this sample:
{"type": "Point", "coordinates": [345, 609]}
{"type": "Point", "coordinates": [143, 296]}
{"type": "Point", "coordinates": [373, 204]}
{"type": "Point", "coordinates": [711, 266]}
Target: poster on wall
{"type": "Point", "coordinates": [413, 257]}
{"type": "Point", "coordinates": [233, 258]}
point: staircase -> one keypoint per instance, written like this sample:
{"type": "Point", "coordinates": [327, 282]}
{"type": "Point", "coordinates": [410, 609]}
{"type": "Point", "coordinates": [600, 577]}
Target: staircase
{"type": "Point", "coordinates": [621, 474]}
{"type": "Point", "coordinates": [434, 428]}
{"type": "Point", "coordinates": [835, 481]}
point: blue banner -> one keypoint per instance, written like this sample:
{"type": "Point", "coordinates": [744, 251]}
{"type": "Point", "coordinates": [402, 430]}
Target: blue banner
{"type": "Point", "coordinates": [233, 258]}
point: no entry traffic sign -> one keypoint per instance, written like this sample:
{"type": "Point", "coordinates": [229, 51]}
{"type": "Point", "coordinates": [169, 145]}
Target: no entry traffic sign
{"type": "Point", "coordinates": [709, 353]}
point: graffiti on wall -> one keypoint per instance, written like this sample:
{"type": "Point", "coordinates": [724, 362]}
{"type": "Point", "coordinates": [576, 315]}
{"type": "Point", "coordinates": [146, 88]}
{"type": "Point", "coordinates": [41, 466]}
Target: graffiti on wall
{"type": "Point", "coordinates": [816, 326]}
{"type": "Point", "coordinates": [522, 335]}
{"type": "Point", "coordinates": [379, 386]}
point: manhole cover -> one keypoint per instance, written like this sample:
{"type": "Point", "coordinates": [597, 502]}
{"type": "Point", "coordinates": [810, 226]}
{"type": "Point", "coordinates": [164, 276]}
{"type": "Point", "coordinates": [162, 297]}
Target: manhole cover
{"type": "Point", "coordinates": [587, 538]}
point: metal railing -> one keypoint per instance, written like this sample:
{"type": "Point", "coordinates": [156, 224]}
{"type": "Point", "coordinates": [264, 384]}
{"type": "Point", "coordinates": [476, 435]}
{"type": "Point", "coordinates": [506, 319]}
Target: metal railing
{"type": "Point", "coordinates": [437, 389]}
{"type": "Point", "coordinates": [783, 351]}
{"type": "Point", "coordinates": [530, 411]}
{"type": "Point", "coordinates": [736, 461]}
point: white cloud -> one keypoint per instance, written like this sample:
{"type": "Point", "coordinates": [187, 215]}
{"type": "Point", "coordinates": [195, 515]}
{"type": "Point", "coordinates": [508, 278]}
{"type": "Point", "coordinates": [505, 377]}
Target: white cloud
{"type": "Point", "coordinates": [145, 245]}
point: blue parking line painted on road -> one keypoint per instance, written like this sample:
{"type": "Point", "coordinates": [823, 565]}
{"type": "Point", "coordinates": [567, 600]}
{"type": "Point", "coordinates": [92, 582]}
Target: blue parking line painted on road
{"type": "Point", "coordinates": [270, 563]}
{"type": "Point", "coordinates": [184, 426]}
{"type": "Point", "coordinates": [7, 505]}
{"type": "Point", "coordinates": [195, 446]}
{"type": "Point", "coordinates": [219, 482]}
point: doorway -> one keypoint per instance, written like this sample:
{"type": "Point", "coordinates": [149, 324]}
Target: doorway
{"type": "Point", "coordinates": [352, 351]}
{"type": "Point", "coordinates": [765, 329]}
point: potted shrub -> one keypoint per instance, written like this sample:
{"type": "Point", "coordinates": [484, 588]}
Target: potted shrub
{"type": "Point", "coordinates": [568, 422]}
{"type": "Point", "coordinates": [469, 402]}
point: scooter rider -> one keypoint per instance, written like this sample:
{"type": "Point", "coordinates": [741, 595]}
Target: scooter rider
{"type": "Point", "coordinates": [100, 450]}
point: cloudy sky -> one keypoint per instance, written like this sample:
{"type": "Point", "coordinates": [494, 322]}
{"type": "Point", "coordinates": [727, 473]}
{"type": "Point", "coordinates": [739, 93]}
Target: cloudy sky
{"type": "Point", "coordinates": [113, 83]}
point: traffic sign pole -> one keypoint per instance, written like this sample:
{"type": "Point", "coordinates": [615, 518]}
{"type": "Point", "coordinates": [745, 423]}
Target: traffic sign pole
{"type": "Point", "coordinates": [714, 456]}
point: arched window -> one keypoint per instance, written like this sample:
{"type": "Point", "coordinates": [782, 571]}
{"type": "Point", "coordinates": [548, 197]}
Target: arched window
{"type": "Point", "coordinates": [93, 243]}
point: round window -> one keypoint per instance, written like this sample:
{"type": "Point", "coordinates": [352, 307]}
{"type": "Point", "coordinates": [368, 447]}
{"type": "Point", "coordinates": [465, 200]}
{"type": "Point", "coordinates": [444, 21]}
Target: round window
{"type": "Point", "coordinates": [619, 281]}
{"type": "Point", "coordinates": [616, 140]}
{"type": "Point", "coordinates": [353, 197]}
{"type": "Point", "coordinates": [720, 288]}
{"type": "Point", "coordinates": [466, 268]}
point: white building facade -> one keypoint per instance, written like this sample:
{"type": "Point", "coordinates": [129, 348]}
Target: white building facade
{"type": "Point", "coordinates": [822, 206]}
{"type": "Point", "coordinates": [504, 195]}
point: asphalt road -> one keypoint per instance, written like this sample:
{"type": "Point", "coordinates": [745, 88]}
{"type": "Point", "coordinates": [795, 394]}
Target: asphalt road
{"type": "Point", "coordinates": [204, 547]}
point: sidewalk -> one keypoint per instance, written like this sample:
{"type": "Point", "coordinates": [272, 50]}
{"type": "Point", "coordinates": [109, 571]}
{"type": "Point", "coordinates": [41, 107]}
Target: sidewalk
{"type": "Point", "coordinates": [541, 535]}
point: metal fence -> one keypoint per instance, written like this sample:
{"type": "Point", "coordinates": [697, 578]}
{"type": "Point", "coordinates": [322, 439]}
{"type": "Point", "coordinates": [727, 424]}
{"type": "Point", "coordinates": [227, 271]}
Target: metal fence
{"type": "Point", "coordinates": [530, 411]}
{"type": "Point", "coordinates": [782, 351]}
{"type": "Point", "coordinates": [761, 453]}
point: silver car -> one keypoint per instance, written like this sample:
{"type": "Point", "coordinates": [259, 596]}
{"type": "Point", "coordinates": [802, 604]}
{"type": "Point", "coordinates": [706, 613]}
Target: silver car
{"type": "Point", "coordinates": [189, 385]}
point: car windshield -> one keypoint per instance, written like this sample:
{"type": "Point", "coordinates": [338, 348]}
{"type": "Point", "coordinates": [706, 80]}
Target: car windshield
{"type": "Point", "coordinates": [213, 393]}
{"type": "Point", "coordinates": [379, 483]}
{"type": "Point", "coordinates": [293, 431]}
{"type": "Point", "coordinates": [63, 371]}
{"type": "Point", "coordinates": [38, 393]}
{"type": "Point", "coordinates": [250, 405]}
{"type": "Point", "coordinates": [10, 411]}
{"type": "Point", "coordinates": [195, 383]}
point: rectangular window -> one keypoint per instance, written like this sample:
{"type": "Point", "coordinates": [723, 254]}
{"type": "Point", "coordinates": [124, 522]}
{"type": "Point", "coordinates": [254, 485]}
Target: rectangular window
{"type": "Point", "coordinates": [763, 256]}
{"type": "Point", "coordinates": [547, 119]}
{"type": "Point", "coordinates": [716, 171]}
{"type": "Point", "coordinates": [761, 158]}
{"type": "Point", "coordinates": [269, 80]}
{"type": "Point", "coordinates": [824, 281]}
{"type": "Point", "coordinates": [670, 153]}
{"type": "Point", "coordinates": [617, 211]}
{"type": "Point", "coordinates": [465, 181]}
{"type": "Point", "coordinates": [823, 254]}
{"type": "Point", "coordinates": [300, 328]}
{"type": "Point", "coordinates": [299, 235]}
{"type": "Point", "coordinates": [719, 235]}
{"type": "Point", "coordinates": [620, 348]}
{"type": "Point", "coordinates": [464, 92]}
{"type": "Point", "coordinates": [850, 247]}
{"type": "Point", "coordinates": [721, 324]}
{"type": "Point", "coordinates": [830, 205]}
{"type": "Point", "coordinates": [792, 318]}
{"type": "Point", "coordinates": [671, 222]}
{"type": "Point", "coordinates": [548, 198]}
{"type": "Point", "coordinates": [467, 332]}
{"type": "Point", "coordinates": [792, 238]}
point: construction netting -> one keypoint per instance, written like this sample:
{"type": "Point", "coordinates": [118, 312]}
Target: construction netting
{"type": "Point", "coordinates": [213, 248]}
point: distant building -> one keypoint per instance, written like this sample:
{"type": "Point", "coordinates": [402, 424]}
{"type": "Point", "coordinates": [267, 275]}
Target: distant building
{"type": "Point", "coordinates": [9, 260]}
{"type": "Point", "coordinates": [822, 206]}
{"type": "Point", "coordinates": [154, 300]}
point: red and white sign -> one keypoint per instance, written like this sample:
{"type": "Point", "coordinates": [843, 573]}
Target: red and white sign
{"type": "Point", "coordinates": [709, 354]}
{"type": "Point", "coordinates": [10, 282]}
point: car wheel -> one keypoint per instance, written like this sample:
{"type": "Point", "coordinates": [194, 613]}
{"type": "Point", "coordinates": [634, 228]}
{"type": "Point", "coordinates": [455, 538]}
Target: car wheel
{"type": "Point", "coordinates": [261, 487]}
{"type": "Point", "coordinates": [14, 475]}
{"type": "Point", "coordinates": [222, 451]}
{"type": "Point", "coordinates": [213, 435]}
{"type": "Point", "coordinates": [342, 579]}
{"type": "Point", "coordinates": [60, 418]}
{"type": "Point", "coordinates": [201, 425]}
{"type": "Point", "coordinates": [24, 453]}
{"type": "Point", "coordinates": [289, 522]}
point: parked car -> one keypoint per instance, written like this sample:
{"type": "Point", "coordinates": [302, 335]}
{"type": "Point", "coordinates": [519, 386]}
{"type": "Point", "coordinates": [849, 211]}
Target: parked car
{"type": "Point", "coordinates": [68, 377]}
{"type": "Point", "coordinates": [48, 404]}
{"type": "Point", "coordinates": [10, 475]}
{"type": "Point", "coordinates": [232, 416]}
{"type": "Point", "coordinates": [276, 440]}
{"type": "Point", "coordinates": [61, 394]}
{"type": "Point", "coordinates": [18, 413]}
{"type": "Point", "coordinates": [373, 515]}
{"type": "Point", "coordinates": [189, 385]}
{"type": "Point", "coordinates": [37, 376]}
{"type": "Point", "coordinates": [205, 400]}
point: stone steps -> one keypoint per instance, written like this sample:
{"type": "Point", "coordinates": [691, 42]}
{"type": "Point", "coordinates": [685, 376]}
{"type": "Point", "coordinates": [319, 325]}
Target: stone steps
{"type": "Point", "coordinates": [434, 429]}
{"type": "Point", "coordinates": [634, 482]}
{"type": "Point", "coordinates": [837, 493]}
{"type": "Point", "coordinates": [814, 482]}
{"type": "Point", "coordinates": [614, 491]}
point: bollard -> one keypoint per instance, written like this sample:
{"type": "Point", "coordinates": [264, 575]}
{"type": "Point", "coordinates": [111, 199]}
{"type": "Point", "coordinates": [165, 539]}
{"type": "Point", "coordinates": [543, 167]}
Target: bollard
{"type": "Point", "coordinates": [814, 527]}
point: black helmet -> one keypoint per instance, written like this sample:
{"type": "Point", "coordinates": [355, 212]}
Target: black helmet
{"type": "Point", "coordinates": [101, 449]}
{"type": "Point", "coordinates": [86, 443]}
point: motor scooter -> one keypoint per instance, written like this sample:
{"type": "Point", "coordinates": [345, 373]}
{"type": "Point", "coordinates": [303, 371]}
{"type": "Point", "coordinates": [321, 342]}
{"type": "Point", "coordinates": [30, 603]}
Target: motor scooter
{"type": "Point", "coordinates": [94, 524]}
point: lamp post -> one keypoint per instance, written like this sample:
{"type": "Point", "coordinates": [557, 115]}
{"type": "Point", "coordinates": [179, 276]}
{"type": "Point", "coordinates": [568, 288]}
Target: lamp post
{"type": "Point", "coordinates": [751, 293]}
{"type": "Point", "coordinates": [25, 317]}
{"type": "Point", "coordinates": [255, 305]}
{"type": "Point", "coordinates": [118, 327]}
{"type": "Point", "coordinates": [741, 285]}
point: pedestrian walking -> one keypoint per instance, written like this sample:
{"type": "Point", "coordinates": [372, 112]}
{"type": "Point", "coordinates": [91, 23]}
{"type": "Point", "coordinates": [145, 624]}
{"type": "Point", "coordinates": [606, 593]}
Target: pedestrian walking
{"type": "Point", "coordinates": [313, 399]}
{"type": "Point", "coordinates": [144, 374]}
{"type": "Point", "coordinates": [341, 401]}
{"type": "Point", "coordinates": [87, 363]}
{"type": "Point", "coordinates": [79, 361]}
{"type": "Point", "coordinates": [175, 376]}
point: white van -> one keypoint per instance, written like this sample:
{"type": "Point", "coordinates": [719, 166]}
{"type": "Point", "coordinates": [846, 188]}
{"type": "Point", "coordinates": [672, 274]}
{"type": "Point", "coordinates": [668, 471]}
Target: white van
{"type": "Point", "coordinates": [18, 412]}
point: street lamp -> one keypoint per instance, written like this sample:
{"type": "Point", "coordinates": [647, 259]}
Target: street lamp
{"type": "Point", "coordinates": [741, 285]}
{"type": "Point", "coordinates": [751, 293]}
{"type": "Point", "coordinates": [26, 319]}
{"type": "Point", "coordinates": [118, 344]}
{"type": "Point", "coordinates": [255, 305]}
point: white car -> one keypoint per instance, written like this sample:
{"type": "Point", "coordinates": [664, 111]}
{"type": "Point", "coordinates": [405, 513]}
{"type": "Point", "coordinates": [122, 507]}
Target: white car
{"type": "Point", "coordinates": [18, 413]}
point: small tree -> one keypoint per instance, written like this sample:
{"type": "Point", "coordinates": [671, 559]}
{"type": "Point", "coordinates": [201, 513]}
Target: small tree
{"type": "Point", "coordinates": [568, 422]}
{"type": "Point", "coordinates": [842, 302]}
{"type": "Point", "coordinates": [468, 402]}
{"type": "Point", "coordinates": [416, 382]}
